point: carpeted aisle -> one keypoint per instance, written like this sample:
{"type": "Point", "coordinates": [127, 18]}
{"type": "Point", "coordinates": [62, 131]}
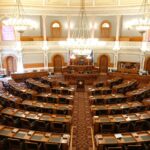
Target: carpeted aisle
{"type": "Point", "coordinates": [82, 119]}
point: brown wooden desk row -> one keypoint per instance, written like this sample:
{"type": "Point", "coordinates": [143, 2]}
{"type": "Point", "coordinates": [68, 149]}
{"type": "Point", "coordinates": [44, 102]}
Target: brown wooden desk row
{"type": "Point", "coordinates": [55, 90]}
{"type": "Point", "coordinates": [110, 98]}
{"type": "Point", "coordinates": [110, 82]}
{"type": "Point", "coordinates": [115, 119]}
{"type": "Point", "coordinates": [118, 108]}
{"type": "Point", "coordinates": [72, 78]}
{"type": "Point", "coordinates": [37, 85]}
{"type": "Point", "coordinates": [114, 81]}
{"type": "Point", "coordinates": [52, 98]}
{"type": "Point", "coordinates": [53, 82]}
{"type": "Point", "coordinates": [36, 136]}
{"type": "Point", "coordinates": [18, 113]}
{"type": "Point", "coordinates": [139, 93]}
{"type": "Point", "coordinates": [125, 86]}
{"type": "Point", "coordinates": [121, 138]}
{"type": "Point", "coordinates": [20, 89]}
{"type": "Point", "coordinates": [26, 75]}
{"type": "Point", "coordinates": [44, 97]}
{"type": "Point", "coordinates": [99, 91]}
{"type": "Point", "coordinates": [9, 100]}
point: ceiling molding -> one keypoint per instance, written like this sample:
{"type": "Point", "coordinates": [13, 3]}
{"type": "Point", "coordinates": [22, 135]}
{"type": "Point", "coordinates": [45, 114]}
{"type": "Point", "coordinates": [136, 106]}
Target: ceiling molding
{"type": "Point", "coordinates": [69, 11]}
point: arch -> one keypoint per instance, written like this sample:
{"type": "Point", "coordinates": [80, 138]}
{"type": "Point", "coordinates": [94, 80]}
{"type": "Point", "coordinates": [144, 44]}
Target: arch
{"type": "Point", "coordinates": [104, 61]}
{"type": "Point", "coordinates": [58, 61]}
{"type": "Point", "coordinates": [56, 29]}
{"type": "Point", "coordinates": [105, 29]}
{"type": "Point", "coordinates": [10, 64]}
{"type": "Point", "coordinates": [147, 64]}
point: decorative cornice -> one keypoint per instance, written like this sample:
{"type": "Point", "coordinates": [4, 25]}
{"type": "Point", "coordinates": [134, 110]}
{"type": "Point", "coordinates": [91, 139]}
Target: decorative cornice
{"type": "Point", "coordinates": [74, 11]}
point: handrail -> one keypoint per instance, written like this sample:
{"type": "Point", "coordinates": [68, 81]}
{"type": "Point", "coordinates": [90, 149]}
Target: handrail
{"type": "Point", "coordinates": [71, 138]}
{"type": "Point", "coordinates": [92, 135]}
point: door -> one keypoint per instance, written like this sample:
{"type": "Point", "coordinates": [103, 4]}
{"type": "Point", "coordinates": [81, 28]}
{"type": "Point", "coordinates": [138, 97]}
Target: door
{"type": "Point", "coordinates": [103, 64]}
{"type": "Point", "coordinates": [57, 61]}
{"type": "Point", "coordinates": [148, 65]}
{"type": "Point", "coordinates": [11, 66]}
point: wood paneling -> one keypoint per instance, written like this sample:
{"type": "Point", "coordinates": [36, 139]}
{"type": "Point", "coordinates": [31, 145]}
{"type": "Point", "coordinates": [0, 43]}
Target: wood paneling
{"type": "Point", "coordinates": [37, 65]}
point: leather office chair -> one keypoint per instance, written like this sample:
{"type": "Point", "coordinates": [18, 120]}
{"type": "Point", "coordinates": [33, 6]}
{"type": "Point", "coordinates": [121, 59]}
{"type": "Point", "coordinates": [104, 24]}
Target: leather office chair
{"type": "Point", "coordinates": [122, 127]}
{"type": "Point", "coordinates": [42, 126]}
{"type": "Point", "coordinates": [107, 128]}
{"type": "Point", "coordinates": [51, 146]}
{"type": "Point", "coordinates": [134, 147]}
{"type": "Point", "coordinates": [58, 127]}
{"type": "Point", "coordinates": [25, 123]}
{"type": "Point", "coordinates": [32, 146]}
{"type": "Point", "coordinates": [113, 148]}
{"type": "Point", "coordinates": [14, 144]}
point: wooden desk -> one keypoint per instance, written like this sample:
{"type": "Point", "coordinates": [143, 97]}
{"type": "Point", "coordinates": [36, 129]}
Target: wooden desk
{"type": "Point", "coordinates": [99, 91]}
{"type": "Point", "coordinates": [26, 75]}
{"type": "Point", "coordinates": [63, 90]}
{"type": "Point", "coordinates": [73, 77]}
{"type": "Point", "coordinates": [37, 85]}
{"type": "Point", "coordinates": [125, 86]}
{"type": "Point", "coordinates": [97, 120]}
{"type": "Point", "coordinates": [51, 118]}
{"type": "Point", "coordinates": [20, 89]}
{"type": "Point", "coordinates": [42, 105]}
{"type": "Point", "coordinates": [126, 76]}
{"type": "Point", "coordinates": [139, 94]}
{"type": "Point", "coordinates": [51, 98]}
{"type": "Point", "coordinates": [50, 81]}
{"type": "Point", "coordinates": [121, 138]}
{"type": "Point", "coordinates": [36, 136]}
{"type": "Point", "coordinates": [105, 99]}
{"type": "Point", "coordinates": [114, 81]}
{"type": "Point", "coordinates": [113, 107]}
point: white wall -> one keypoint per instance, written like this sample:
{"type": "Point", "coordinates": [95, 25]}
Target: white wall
{"type": "Point", "coordinates": [124, 30]}
{"type": "Point", "coordinates": [32, 58]}
{"type": "Point", "coordinates": [38, 31]}
{"type": "Point", "coordinates": [129, 57]}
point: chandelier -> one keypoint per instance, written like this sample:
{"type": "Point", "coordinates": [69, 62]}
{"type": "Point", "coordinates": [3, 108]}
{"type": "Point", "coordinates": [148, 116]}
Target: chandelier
{"type": "Point", "coordinates": [81, 41]}
{"type": "Point", "coordinates": [142, 24]}
{"type": "Point", "coordinates": [18, 21]}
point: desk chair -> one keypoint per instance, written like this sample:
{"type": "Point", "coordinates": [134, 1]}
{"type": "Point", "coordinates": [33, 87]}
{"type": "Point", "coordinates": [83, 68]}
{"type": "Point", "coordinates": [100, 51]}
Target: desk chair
{"type": "Point", "coordinates": [122, 127]}
{"type": "Point", "coordinates": [42, 126]}
{"type": "Point", "coordinates": [14, 144]}
{"type": "Point", "coordinates": [51, 146]}
{"type": "Point", "coordinates": [113, 148]}
{"type": "Point", "coordinates": [58, 127]}
{"type": "Point", "coordinates": [107, 128]}
{"type": "Point", "coordinates": [32, 146]}
{"type": "Point", "coordinates": [134, 147]}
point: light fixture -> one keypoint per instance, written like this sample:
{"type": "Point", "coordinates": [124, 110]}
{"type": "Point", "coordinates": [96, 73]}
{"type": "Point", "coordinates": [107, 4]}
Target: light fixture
{"type": "Point", "coordinates": [81, 41]}
{"type": "Point", "coordinates": [142, 24]}
{"type": "Point", "coordinates": [18, 21]}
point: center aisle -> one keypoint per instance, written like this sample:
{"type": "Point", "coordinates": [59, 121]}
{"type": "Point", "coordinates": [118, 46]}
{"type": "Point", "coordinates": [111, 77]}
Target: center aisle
{"type": "Point", "coordinates": [82, 119]}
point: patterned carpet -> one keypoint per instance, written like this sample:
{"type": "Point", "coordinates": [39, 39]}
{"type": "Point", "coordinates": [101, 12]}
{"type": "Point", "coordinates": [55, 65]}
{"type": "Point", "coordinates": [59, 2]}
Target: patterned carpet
{"type": "Point", "coordinates": [82, 119]}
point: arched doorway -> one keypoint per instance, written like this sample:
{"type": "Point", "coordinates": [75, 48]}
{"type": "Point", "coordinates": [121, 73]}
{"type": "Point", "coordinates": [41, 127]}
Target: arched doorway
{"type": "Point", "coordinates": [57, 62]}
{"type": "Point", "coordinates": [11, 65]}
{"type": "Point", "coordinates": [148, 65]}
{"type": "Point", "coordinates": [103, 64]}
{"type": "Point", "coordinates": [105, 29]}
{"type": "Point", "coordinates": [56, 29]}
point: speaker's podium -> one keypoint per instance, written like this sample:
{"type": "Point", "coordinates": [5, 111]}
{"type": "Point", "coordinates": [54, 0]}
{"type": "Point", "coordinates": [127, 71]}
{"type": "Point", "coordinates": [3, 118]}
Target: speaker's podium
{"type": "Point", "coordinates": [80, 86]}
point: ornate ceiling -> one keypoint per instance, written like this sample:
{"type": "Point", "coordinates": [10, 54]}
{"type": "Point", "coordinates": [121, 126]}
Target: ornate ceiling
{"type": "Point", "coordinates": [62, 7]}
{"type": "Point", "coordinates": [74, 3]}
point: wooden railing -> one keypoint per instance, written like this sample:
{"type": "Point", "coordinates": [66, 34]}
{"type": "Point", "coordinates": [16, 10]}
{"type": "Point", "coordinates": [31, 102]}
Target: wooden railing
{"type": "Point", "coordinates": [71, 138]}
{"type": "Point", "coordinates": [92, 137]}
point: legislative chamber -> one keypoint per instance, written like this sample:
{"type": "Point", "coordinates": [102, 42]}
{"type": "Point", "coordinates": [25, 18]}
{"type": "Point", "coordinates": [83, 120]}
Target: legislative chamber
{"type": "Point", "coordinates": [74, 75]}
